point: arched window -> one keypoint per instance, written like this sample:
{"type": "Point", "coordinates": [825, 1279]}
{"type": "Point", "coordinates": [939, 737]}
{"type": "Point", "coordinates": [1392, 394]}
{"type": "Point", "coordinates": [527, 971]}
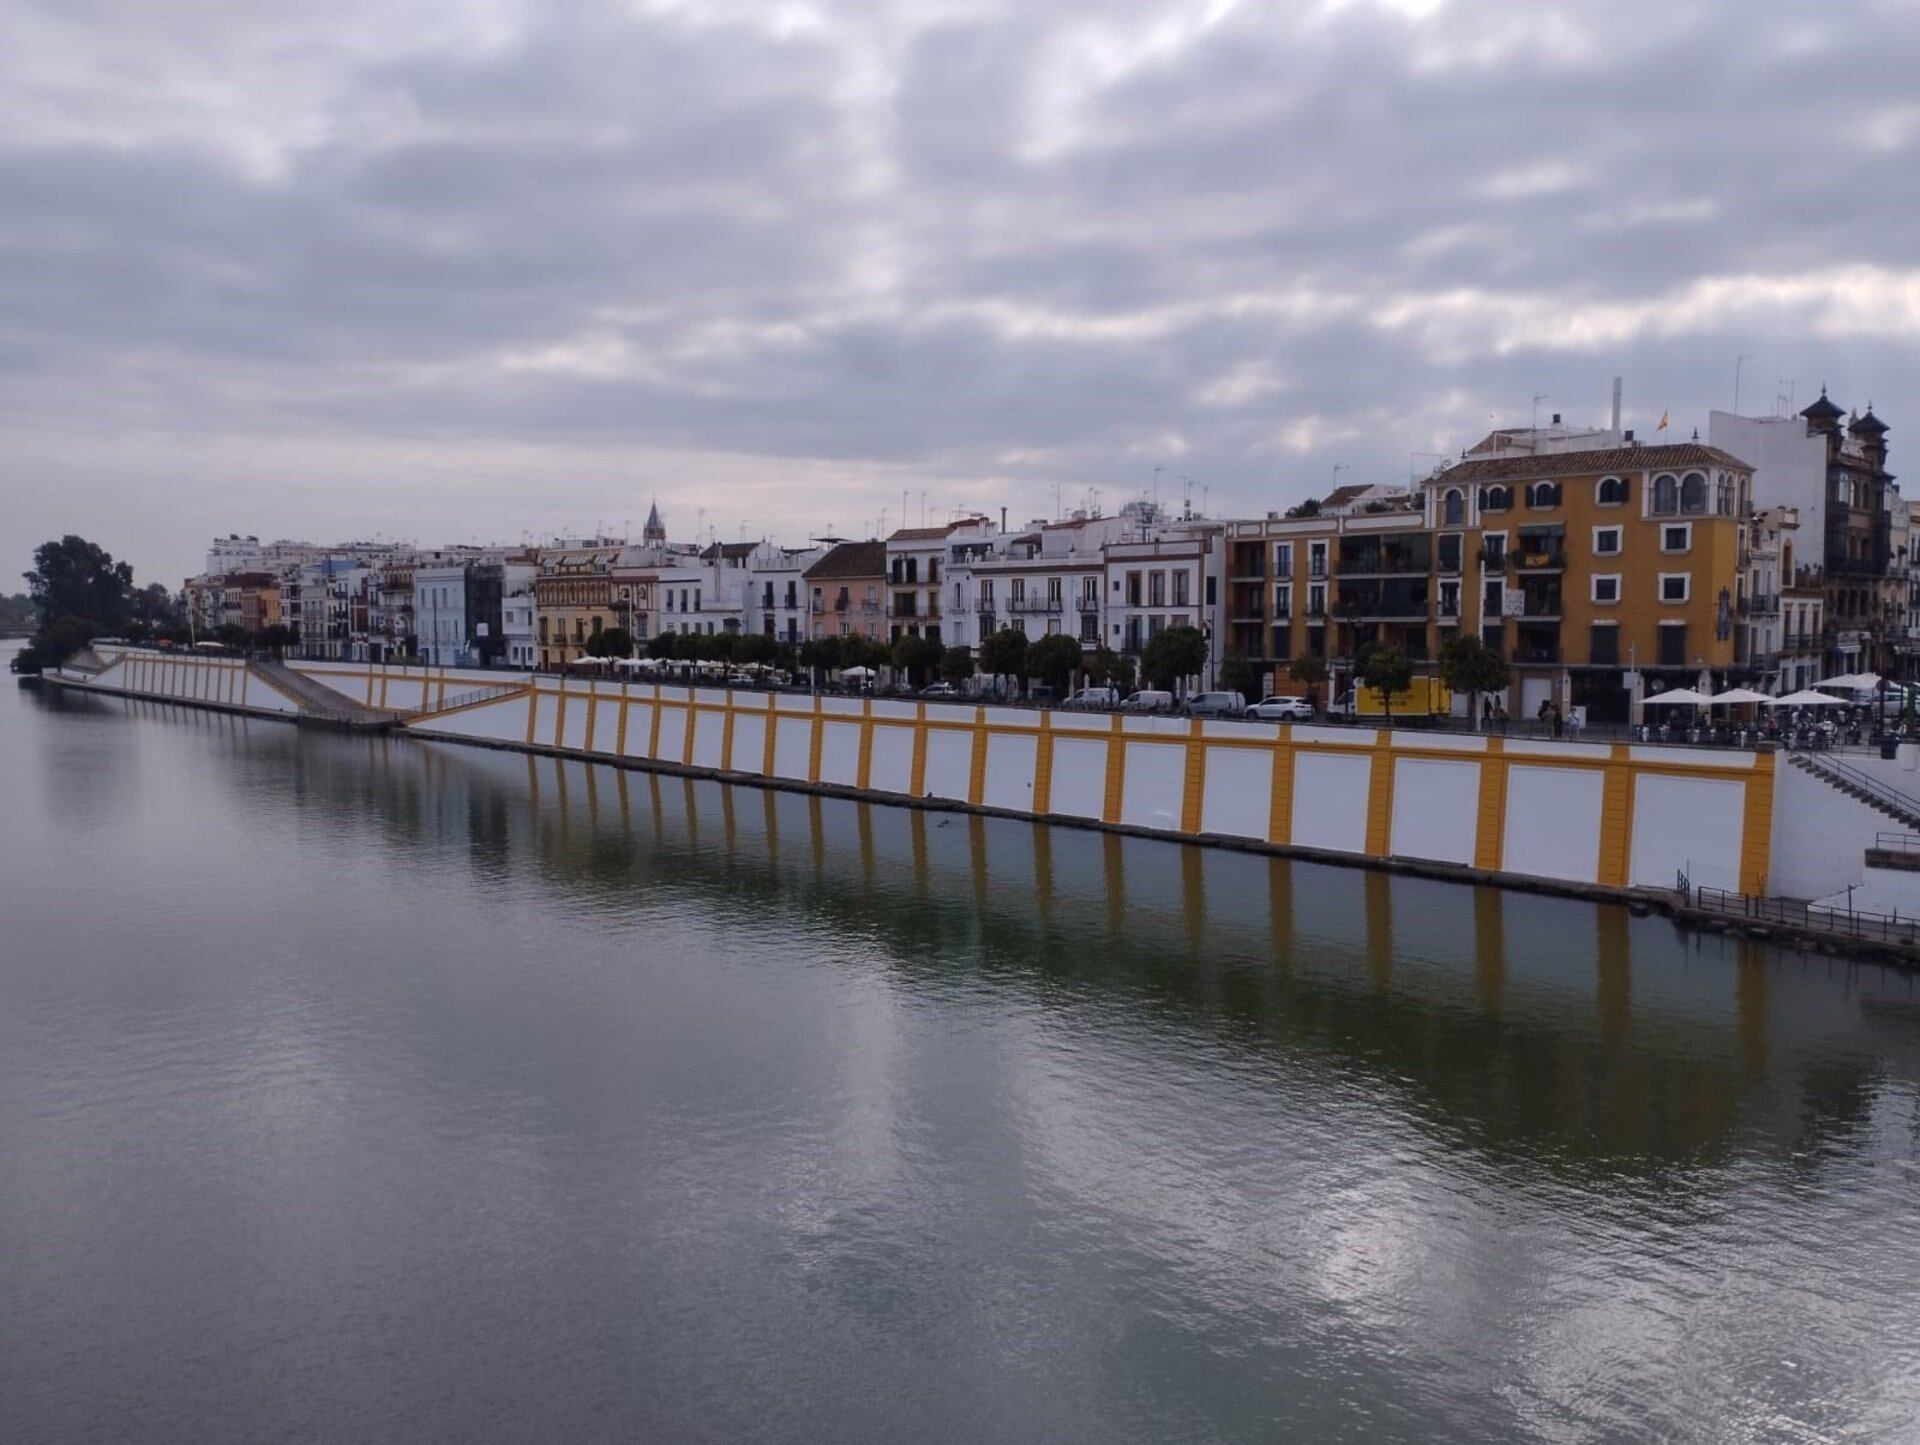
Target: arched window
{"type": "Point", "coordinates": [1612, 492]}
{"type": "Point", "coordinates": [1495, 499]}
{"type": "Point", "coordinates": [1666, 493]}
{"type": "Point", "coordinates": [1693, 492]}
{"type": "Point", "coordinates": [1542, 495]}
{"type": "Point", "coordinates": [1723, 496]}
{"type": "Point", "coordinates": [1453, 508]}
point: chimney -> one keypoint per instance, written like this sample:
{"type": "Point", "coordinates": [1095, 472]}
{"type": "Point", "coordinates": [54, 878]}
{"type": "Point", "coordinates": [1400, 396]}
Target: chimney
{"type": "Point", "coordinates": [1003, 519]}
{"type": "Point", "coordinates": [1629, 438]}
{"type": "Point", "coordinates": [1556, 418]}
{"type": "Point", "coordinates": [1616, 409]}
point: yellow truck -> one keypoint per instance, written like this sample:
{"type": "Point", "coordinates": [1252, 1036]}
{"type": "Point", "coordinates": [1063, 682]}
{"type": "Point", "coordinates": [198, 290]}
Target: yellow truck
{"type": "Point", "coordinates": [1425, 698]}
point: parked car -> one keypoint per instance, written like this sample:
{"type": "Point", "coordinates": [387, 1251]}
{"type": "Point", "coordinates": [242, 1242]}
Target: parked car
{"type": "Point", "coordinates": [1147, 700]}
{"type": "Point", "coordinates": [1282, 709]}
{"type": "Point", "coordinates": [1094, 697]}
{"type": "Point", "coordinates": [940, 689]}
{"type": "Point", "coordinates": [1040, 694]}
{"type": "Point", "coordinates": [1216, 704]}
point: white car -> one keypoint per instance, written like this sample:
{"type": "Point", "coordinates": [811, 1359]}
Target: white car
{"type": "Point", "coordinates": [1282, 709]}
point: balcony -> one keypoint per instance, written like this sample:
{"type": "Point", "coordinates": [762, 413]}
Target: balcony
{"type": "Point", "coordinates": [1032, 606]}
{"type": "Point", "coordinates": [1491, 556]}
{"type": "Point", "coordinates": [1384, 564]}
{"type": "Point", "coordinates": [1538, 559]}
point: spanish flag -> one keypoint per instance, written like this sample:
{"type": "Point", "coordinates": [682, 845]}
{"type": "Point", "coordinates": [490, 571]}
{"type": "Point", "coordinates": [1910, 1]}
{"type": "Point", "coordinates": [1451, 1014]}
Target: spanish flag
{"type": "Point", "coordinates": [1663, 422]}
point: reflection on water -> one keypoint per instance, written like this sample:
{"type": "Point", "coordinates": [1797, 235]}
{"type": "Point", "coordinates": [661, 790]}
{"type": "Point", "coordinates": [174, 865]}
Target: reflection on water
{"type": "Point", "coordinates": [462, 1092]}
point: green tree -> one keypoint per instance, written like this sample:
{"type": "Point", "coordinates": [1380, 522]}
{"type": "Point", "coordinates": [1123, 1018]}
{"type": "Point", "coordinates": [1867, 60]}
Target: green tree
{"type": "Point", "coordinates": [276, 638]}
{"type": "Point", "coordinates": [1106, 667]}
{"type": "Point", "coordinates": [663, 646]}
{"type": "Point", "coordinates": [76, 578]}
{"type": "Point", "coordinates": [1309, 669]}
{"type": "Point", "coordinates": [156, 609]}
{"type": "Point", "coordinates": [16, 615]}
{"type": "Point", "coordinates": [1468, 665]}
{"type": "Point", "coordinates": [1052, 659]}
{"type": "Point", "coordinates": [820, 654]}
{"type": "Point", "coordinates": [720, 646]}
{"type": "Point", "coordinates": [610, 642]}
{"type": "Point", "coordinates": [231, 634]}
{"type": "Point", "coordinates": [55, 643]}
{"type": "Point", "coordinates": [917, 657]}
{"type": "Point", "coordinates": [1173, 655]}
{"type": "Point", "coordinates": [956, 666]}
{"type": "Point", "coordinates": [1386, 670]}
{"type": "Point", "coordinates": [1239, 675]}
{"type": "Point", "coordinates": [1004, 654]}
{"type": "Point", "coordinates": [757, 647]}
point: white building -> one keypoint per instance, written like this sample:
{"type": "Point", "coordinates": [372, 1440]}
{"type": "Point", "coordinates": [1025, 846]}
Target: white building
{"type": "Point", "coordinates": [776, 592]}
{"type": "Point", "coordinates": [517, 611]}
{"type": "Point", "coordinates": [1174, 579]}
{"type": "Point", "coordinates": [440, 611]}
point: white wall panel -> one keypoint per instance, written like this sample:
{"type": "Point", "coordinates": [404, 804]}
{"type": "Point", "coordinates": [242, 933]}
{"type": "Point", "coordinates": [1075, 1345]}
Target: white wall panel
{"type": "Point", "coordinates": [840, 751]}
{"type": "Point", "coordinates": [1687, 825]}
{"type": "Point", "coordinates": [1553, 822]}
{"type": "Point", "coordinates": [890, 764]}
{"type": "Point", "coordinates": [1156, 783]}
{"type": "Point", "coordinates": [709, 736]}
{"type": "Point", "coordinates": [1330, 800]}
{"type": "Point", "coordinates": [749, 742]}
{"type": "Point", "coordinates": [1079, 788]}
{"type": "Point", "coordinates": [1238, 796]}
{"type": "Point", "coordinates": [792, 747]}
{"type": "Point", "coordinates": [1010, 763]}
{"type": "Point", "coordinates": [949, 764]}
{"type": "Point", "coordinates": [1436, 806]}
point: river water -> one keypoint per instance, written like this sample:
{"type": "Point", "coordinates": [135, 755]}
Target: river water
{"type": "Point", "coordinates": [384, 1090]}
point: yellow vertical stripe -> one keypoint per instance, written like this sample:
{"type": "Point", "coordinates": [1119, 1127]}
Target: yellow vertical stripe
{"type": "Point", "coordinates": [1380, 796]}
{"type": "Point", "coordinates": [772, 739]}
{"type": "Point", "coordinates": [653, 728]}
{"type": "Point", "coordinates": [977, 776]}
{"type": "Point", "coordinates": [693, 723]}
{"type": "Point", "coordinates": [560, 715]}
{"type": "Point", "coordinates": [917, 774]}
{"type": "Point", "coordinates": [1490, 828]}
{"type": "Point", "coordinates": [863, 769]}
{"type": "Point", "coordinates": [1756, 826]}
{"type": "Point", "coordinates": [1194, 789]}
{"type": "Point", "coordinates": [1116, 772]}
{"type": "Point", "coordinates": [1043, 767]}
{"type": "Point", "coordinates": [1280, 809]}
{"type": "Point", "coordinates": [620, 728]}
{"type": "Point", "coordinates": [1616, 818]}
{"type": "Point", "coordinates": [817, 741]}
{"type": "Point", "coordinates": [726, 743]}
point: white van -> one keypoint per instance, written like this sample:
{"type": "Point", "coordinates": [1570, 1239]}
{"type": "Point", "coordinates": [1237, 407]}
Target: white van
{"type": "Point", "coordinates": [1094, 697]}
{"type": "Point", "coordinates": [1147, 700]}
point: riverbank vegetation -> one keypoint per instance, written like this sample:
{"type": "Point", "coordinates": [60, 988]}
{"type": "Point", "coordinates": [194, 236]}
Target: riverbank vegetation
{"type": "Point", "coordinates": [76, 592]}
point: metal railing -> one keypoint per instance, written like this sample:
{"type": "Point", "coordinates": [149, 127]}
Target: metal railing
{"type": "Point", "coordinates": [1896, 842]}
{"type": "Point", "coordinates": [1842, 921]}
{"type": "Point", "coordinates": [1899, 802]}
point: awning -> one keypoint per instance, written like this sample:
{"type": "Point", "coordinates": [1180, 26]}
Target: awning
{"type": "Point", "coordinates": [1677, 695]}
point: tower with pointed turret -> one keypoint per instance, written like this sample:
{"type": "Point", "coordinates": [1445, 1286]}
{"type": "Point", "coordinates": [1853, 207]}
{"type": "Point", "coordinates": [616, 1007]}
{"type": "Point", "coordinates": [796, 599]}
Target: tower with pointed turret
{"type": "Point", "coordinates": [655, 530]}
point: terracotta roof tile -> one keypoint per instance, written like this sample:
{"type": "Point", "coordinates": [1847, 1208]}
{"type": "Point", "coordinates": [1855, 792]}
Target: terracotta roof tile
{"type": "Point", "coordinates": [1595, 463]}
{"type": "Point", "coordinates": [852, 559]}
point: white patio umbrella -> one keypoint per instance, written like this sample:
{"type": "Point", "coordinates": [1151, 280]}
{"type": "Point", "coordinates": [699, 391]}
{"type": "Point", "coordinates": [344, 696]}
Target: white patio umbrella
{"type": "Point", "coordinates": [1807, 697]}
{"type": "Point", "coordinates": [860, 674]}
{"type": "Point", "coordinates": [1851, 679]}
{"type": "Point", "coordinates": [1740, 694]}
{"type": "Point", "coordinates": [1676, 695]}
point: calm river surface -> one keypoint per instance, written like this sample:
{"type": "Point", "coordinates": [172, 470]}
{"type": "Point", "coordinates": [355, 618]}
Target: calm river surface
{"type": "Point", "coordinates": [379, 1090]}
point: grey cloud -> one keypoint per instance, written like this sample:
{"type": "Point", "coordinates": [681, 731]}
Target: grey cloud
{"type": "Point", "coordinates": [1034, 243]}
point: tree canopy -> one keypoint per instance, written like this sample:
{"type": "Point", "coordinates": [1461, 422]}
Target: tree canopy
{"type": "Point", "coordinates": [77, 578]}
{"type": "Point", "coordinates": [1239, 675]}
{"type": "Point", "coordinates": [1173, 655]}
{"type": "Point", "coordinates": [917, 657]}
{"type": "Point", "coordinates": [956, 665]}
{"type": "Point", "coordinates": [1468, 665]}
{"type": "Point", "coordinates": [1004, 654]}
{"type": "Point", "coordinates": [1385, 669]}
{"type": "Point", "coordinates": [1052, 659]}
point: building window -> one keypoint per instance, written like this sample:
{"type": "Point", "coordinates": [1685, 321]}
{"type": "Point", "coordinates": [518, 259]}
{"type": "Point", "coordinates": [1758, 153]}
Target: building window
{"type": "Point", "coordinates": [1054, 584]}
{"type": "Point", "coordinates": [1612, 492]}
{"type": "Point", "coordinates": [1317, 600]}
{"type": "Point", "coordinates": [1089, 627]}
{"type": "Point", "coordinates": [1603, 645]}
{"type": "Point", "coordinates": [1090, 592]}
{"type": "Point", "coordinates": [1675, 586]}
{"type": "Point", "coordinates": [1133, 589]}
{"type": "Point", "coordinates": [1453, 508]}
{"type": "Point", "coordinates": [1212, 599]}
{"type": "Point", "coordinates": [1673, 644]}
{"type": "Point", "coordinates": [1449, 599]}
{"type": "Point", "coordinates": [1156, 589]}
{"type": "Point", "coordinates": [1493, 549]}
{"type": "Point", "coordinates": [1693, 492]}
{"type": "Point", "coordinates": [1283, 559]}
{"type": "Point", "coordinates": [1283, 599]}
{"type": "Point", "coordinates": [1182, 588]}
{"type": "Point", "coordinates": [1496, 598]}
{"type": "Point", "coordinates": [1496, 499]}
{"type": "Point", "coordinates": [1606, 588]}
{"type": "Point", "coordinates": [1543, 496]}
{"type": "Point", "coordinates": [1666, 493]}
{"type": "Point", "coordinates": [1316, 559]}
{"type": "Point", "coordinates": [1677, 538]}
{"type": "Point", "coordinates": [1606, 541]}
{"type": "Point", "coordinates": [1449, 552]}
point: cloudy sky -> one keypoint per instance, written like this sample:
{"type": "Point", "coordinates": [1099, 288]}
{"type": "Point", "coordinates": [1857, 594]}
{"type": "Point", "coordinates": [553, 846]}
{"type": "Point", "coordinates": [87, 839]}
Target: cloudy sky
{"type": "Point", "coordinates": [486, 269]}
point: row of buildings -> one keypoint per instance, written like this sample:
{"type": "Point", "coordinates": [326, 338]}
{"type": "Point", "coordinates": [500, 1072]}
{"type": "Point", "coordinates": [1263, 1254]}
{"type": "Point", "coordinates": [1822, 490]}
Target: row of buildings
{"type": "Point", "coordinates": [1602, 567]}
